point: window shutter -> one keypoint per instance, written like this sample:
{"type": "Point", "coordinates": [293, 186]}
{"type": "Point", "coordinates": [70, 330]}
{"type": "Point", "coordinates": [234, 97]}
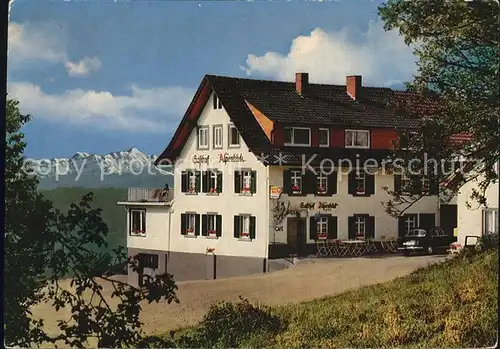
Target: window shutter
{"type": "Point", "coordinates": [219, 182]}
{"type": "Point", "coordinates": [433, 186]}
{"type": "Point", "coordinates": [370, 227]}
{"type": "Point", "coordinates": [312, 228]}
{"type": "Point", "coordinates": [252, 227]}
{"type": "Point", "coordinates": [197, 225]}
{"type": "Point", "coordinates": [237, 226]}
{"type": "Point", "coordinates": [397, 184]}
{"type": "Point", "coordinates": [218, 225]}
{"type": "Point", "coordinates": [287, 182]}
{"type": "Point", "coordinates": [332, 183]}
{"type": "Point", "coordinates": [204, 225]}
{"type": "Point", "coordinates": [183, 223]}
{"type": "Point", "coordinates": [416, 184]}
{"type": "Point", "coordinates": [205, 176]}
{"type": "Point", "coordinates": [253, 182]}
{"type": "Point", "coordinates": [351, 232]}
{"type": "Point", "coordinates": [310, 183]}
{"type": "Point", "coordinates": [332, 227]}
{"type": "Point", "coordinates": [198, 179]}
{"type": "Point", "coordinates": [237, 181]}
{"type": "Point", "coordinates": [184, 182]}
{"type": "Point", "coordinates": [370, 184]}
{"type": "Point", "coordinates": [401, 225]}
{"type": "Point", "coordinates": [427, 220]}
{"type": "Point", "coordinates": [351, 182]}
{"type": "Point", "coordinates": [143, 215]}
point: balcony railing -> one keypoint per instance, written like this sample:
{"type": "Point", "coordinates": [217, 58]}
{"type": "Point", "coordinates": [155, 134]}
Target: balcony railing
{"type": "Point", "coordinates": [149, 195]}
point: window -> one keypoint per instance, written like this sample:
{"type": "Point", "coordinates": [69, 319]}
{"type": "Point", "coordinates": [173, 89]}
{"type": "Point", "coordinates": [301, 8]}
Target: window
{"type": "Point", "coordinates": [138, 222]}
{"type": "Point", "coordinates": [357, 139]}
{"type": "Point", "coordinates": [244, 227]}
{"type": "Point", "coordinates": [324, 137]}
{"type": "Point", "coordinates": [322, 182]}
{"type": "Point", "coordinates": [406, 184]}
{"type": "Point", "coordinates": [203, 137]}
{"type": "Point", "coordinates": [360, 182]}
{"type": "Point", "coordinates": [297, 136]}
{"type": "Point", "coordinates": [322, 228]}
{"type": "Point", "coordinates": [189, 224]}
{"type": "Point", "coordinates": [212, 182]}
{"type": "Point", "coordinates": [234, 137]}
{"type": "Point", "coordinates": [409, 141]}
{"type": "Point", "coordinates": [190, 181]}
{"type": "Point", "coordinates": [296, 181]}
{"type": "Point", "coordinates": [148, 260]}
{"type": "Point", "coordinates": [245, 182]}
{"type": "Point", "coordinates": [410, 223]}
{"type": "Point", "coordinates": [490, 221]}
{"type": "Point", "coordinates": [360, 226]}
{"type": "Point", "coordinates": [217, 137]}
{"type": "Point", "coordinates": [426, 185]}
{"type": "Point", "coordinates": [217, 102]}
{"type": "Point", "coordinates": [211, 225]}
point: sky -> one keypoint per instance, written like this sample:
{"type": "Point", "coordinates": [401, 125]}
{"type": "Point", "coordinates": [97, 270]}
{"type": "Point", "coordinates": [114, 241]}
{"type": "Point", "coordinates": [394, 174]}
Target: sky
{"type": "Point", "coordinates": [100, 77]}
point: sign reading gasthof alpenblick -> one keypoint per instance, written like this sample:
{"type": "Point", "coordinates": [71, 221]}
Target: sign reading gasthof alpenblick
{"type": "Point", "coordinates": [201, 159]}
{"type": "Point", "coordinates": [226, 157]}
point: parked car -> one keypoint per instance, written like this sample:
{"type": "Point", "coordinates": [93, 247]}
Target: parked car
{"type": "Point", "coordinates": [428, 241]}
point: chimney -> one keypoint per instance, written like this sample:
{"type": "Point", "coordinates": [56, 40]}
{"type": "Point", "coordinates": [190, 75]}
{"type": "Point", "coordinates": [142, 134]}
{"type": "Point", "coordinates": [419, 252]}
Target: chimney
{"type": "Point", "coordinates": [353, 83]}
{"type": "Point", "coordinates": [301, 82]}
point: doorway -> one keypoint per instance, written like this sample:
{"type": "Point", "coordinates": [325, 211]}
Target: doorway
{"type": "Point", "coordinates": [448, 218]}
{"type": "Point", "coordinates": [296, 235]}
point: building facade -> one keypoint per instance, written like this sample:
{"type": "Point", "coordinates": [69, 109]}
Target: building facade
{"type": "Point", "coordinates": [264, 169]}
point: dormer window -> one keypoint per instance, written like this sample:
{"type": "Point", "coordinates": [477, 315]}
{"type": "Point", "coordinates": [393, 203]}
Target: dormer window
{"type": "Point", "coordinates": [357, 139]}
{"type": "Point", "coordinates": [217, 102]}
{"type": "Point", "coordinates": [298, 136]}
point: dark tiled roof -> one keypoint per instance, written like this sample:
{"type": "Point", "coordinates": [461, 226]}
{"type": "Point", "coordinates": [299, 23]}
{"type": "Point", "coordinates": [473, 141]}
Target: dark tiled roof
{"type": "Point", "coordinates": [319, 105]}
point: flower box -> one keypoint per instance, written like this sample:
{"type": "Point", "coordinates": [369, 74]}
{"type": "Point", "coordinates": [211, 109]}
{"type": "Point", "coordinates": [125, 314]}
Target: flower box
{"type": "Point", "coordinates": [296, 190]}
{"type": "Point", "coordinates": [321, 190]}
{"type": "Point", "coordinates": [139, 232]}
{"type": "Point", "coordinates": [212, 190]}
{"type": "Point", "coordinates": [189, 231]}
{"type": "Point", "coordinates": [192, 190]}
{"type": "Point", "coordinates": [212, 233]}
{"type": "Point", "coordinates": [360, 190]}
{"type": "Point", "coordinates": [322, 236]}
{"type": "Point", "coordinates": [245, 190]}
{"type": "Point", "coordinates": [245, 235]}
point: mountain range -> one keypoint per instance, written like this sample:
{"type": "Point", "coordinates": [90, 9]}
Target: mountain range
{"type": "Point", "coordinates": [122, 169]}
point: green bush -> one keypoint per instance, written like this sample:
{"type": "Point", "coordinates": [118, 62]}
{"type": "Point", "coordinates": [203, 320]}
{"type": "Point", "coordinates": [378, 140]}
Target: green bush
{"type": "Point", "coordinates": [228, 325]}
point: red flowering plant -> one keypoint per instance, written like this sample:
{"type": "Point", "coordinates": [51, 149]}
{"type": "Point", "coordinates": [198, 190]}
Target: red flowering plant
{"type": "Point", "coordinates": [213, 190]}
{"type": "Point", "coordinates": [192, 189]}
{"type": "Point", "coordinates": [360, 190]}
{"type": "Point", "coordinates": [189, 231]}
{"type": "Point", "coordinates": [244, 235]}
{"type": "Point", "coordinates": [212, 232]}
{"type": "Point", "coordinates": [321, 190]}
{"type": "Point", "coordinates": [296, 189]}
{"type": "Point", "coordinates": [246, 189]}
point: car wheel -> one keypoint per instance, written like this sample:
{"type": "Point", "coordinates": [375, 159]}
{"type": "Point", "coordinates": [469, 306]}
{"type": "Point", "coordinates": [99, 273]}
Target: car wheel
{"type": "Point", "coordinates": [430, 250]}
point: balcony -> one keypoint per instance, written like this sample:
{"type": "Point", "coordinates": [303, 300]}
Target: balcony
{"type": "Point", "coordinates": [149, 196]}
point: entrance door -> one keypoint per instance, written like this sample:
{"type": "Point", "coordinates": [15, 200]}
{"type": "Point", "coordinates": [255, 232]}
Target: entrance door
{"type": "Point", "coordinates": [296, 235]}
{"type": "Point", "coordinates": [448, 218]}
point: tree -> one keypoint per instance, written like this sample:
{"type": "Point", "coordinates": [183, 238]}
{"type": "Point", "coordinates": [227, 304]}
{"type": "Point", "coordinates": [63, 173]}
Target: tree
{"type": "Point", "coordinates": [43, 246]}
{"type": "Point", "coordinates": [457, 82]}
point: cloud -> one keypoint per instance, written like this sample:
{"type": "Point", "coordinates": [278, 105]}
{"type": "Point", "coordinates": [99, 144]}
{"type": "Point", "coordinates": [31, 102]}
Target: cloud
{"type": "Point", "coordinates": [84, 67]}
{"type": "Point", "coordinates": [144, 110]}
{"type": "Point", "coordinates": [382, 58]}
{"type": "Point", "coordinates": [44, 42]}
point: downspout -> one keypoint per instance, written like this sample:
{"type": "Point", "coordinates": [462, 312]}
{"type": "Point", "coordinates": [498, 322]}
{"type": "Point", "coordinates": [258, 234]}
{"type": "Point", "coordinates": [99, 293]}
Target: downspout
{"type": "Point", "coordinates": [168, 235]}
{"type": "Point", "coordinates": [268, 220]}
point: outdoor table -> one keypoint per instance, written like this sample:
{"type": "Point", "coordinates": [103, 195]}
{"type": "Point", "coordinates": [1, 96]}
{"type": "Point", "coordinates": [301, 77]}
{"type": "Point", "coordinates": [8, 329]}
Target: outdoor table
{"type": "Point", "coordinates": [352, 243]}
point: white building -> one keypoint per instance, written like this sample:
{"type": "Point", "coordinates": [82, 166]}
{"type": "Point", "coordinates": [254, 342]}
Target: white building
{"type": "Point", "coordinates": [242, 140]}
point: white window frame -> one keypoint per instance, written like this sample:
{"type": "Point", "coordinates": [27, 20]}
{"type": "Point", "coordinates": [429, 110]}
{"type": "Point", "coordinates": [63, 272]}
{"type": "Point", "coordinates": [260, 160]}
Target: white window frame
{"type": "Point", "coordinates": [327, 137]}
{"type": "Point", "coordinates": [406, 183]}
{"type": "Point", "coordinates": [425, 185]}
{"type": "Point", "coordinates": [360, 221]}
{"type": "Point", "coordinates": [296, 180]}
{"type": "Point", "coordinates": [293, 143]}
{"type": "Point", "coordinates": [322, 228]}
{"type": "Point", "coordinates": [246, 181]}
{"type": "Point", "coordinates": [218, 103]}
{"type": "Point", "coordinates": [212, 218]}
{"type": "Point", "coordinates": [321, 181]}
{"type": "Point", "coordinates": [353, 139]}
{"type": "Point", "coordinates": [229, 134]}
{"type": "Point", "coordinates": [490, 220]}
{"type": "Point", "coordinates": [360, 176]}
{"type": "Point", "coordinates": [244, 226]}
{"type": "Point", "coordinates": [411, 222]}
{"type": "Point", "coordinates": [191, 223]}
{"type": "Point", "coordinates": [218, 136]}
{"type": "Point", "coordinates": [206, 131]}
{"type": "Point", "coordinates": [142, 221]}
{"type": "Point", "coordinates": [212, 178]}
{"type": "Point", "coordinates": [191, 181]}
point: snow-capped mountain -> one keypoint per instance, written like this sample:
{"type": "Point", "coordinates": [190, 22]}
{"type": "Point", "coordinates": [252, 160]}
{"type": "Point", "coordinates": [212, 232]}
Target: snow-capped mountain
{"type": "Point", "coordinates": [130, 168]}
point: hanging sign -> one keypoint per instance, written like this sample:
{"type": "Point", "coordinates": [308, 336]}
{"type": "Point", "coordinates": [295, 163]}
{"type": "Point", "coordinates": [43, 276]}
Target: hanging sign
{"type": "Point", "coordinates": [274, 192]}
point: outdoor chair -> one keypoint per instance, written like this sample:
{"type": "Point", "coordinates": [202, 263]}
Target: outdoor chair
{"type": "Point", "coordinates": [322, 248]}
{"type": "Point", "coordinates": [371, 246]}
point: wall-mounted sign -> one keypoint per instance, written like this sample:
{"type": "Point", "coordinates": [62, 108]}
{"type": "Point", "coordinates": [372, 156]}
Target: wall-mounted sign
{"type": "Point", "coordinates": [201, 159]}
{"type": "Point", "coordinates": [307, 205]}
{"type": "Point", "coordinates": [226, 157]}
{"type": "Point", "coordinates": [327, 205]}
{"type": "Point", "coordinates": [274, 192]}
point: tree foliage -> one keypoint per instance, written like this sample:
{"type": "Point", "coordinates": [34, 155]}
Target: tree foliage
{"type": "Point", "coordinates": [456, 43]}
{"type": "Point", "coordinates": [43, 246]}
